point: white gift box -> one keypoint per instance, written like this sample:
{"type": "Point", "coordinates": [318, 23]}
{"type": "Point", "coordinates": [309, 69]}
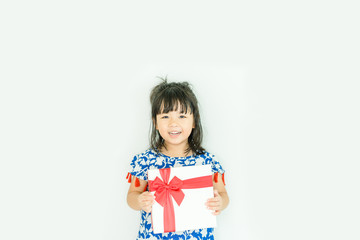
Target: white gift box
{"type": "Point", "coordinates": [180, 197]}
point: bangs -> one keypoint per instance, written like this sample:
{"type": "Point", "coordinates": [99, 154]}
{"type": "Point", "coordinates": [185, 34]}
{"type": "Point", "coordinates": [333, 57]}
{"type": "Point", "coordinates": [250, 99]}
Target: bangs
{"type": "Point", "coordinates": [173, 100]}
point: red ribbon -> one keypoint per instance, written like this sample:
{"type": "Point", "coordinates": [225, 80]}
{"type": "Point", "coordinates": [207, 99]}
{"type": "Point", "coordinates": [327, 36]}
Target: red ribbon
{"type": "Point", "coordinates": [164, 190]}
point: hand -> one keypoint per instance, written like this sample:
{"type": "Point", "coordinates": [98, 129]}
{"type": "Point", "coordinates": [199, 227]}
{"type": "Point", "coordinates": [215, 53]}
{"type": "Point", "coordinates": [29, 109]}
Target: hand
{"type": "Point", "coordinates": [215, 203]}
{"type": "Point", "coordinates": [146, 200]}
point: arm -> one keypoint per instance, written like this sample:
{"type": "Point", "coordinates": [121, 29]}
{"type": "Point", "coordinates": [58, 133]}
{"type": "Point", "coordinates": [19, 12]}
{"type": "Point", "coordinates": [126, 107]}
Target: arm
{"type": "Point", "coordinates": [220, 200]}
{"type": "Point", "coordinates": [137, 199]}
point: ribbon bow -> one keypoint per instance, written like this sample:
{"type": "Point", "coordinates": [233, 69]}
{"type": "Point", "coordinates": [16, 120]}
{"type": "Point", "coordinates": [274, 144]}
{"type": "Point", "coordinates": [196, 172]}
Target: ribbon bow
{"type": "Point", "coordinates": [163, 190]}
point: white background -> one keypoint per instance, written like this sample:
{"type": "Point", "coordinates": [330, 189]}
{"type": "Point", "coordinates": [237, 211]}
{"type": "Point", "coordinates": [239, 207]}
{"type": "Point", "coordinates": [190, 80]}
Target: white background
{"type": "Point", "coordinates": [278, 86]}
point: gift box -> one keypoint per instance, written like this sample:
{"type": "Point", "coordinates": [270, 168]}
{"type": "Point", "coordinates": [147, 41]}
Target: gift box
{"type": "Point", "coordinates": [180, 197]}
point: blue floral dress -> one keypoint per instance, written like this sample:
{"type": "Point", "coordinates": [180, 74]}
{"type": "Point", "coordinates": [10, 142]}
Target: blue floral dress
{"type": "Point", "coordinates": [149, 159]}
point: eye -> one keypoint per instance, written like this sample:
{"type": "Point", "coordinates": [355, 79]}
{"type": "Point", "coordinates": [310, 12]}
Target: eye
{"type": "Point", "coordinates": [164, 117]}
{"type": "Point", "coordinates": [182, 116]}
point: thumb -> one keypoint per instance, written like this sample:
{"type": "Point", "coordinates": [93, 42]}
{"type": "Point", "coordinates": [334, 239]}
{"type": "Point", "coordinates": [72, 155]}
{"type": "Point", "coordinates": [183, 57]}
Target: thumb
{"type": "Point", "coordinates": [216, 193]}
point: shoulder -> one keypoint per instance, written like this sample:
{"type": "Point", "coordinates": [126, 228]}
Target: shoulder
{"type": "Point", "coordinates": [144, 158]}
{"type": "Point", "coordinates": [149, 153]}
{"type": "Point", "coordinates": [203, 158]}
{"type": "Point", "coordinates": [141, 162]}
{"type": "Point", "coordinates": [206, 155]}
{"type": "Point", "coordinates": [213, 160]}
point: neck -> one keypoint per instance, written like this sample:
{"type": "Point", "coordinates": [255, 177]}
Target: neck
{"type": "Point", "coordinates": [173, 151]}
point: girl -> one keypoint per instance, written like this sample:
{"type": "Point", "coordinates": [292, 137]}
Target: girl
{"type": "Point", "coordinates": [175, 142]}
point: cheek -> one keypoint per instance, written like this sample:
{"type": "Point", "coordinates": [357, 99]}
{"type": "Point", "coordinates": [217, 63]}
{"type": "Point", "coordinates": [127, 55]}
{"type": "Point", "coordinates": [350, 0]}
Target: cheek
{"type": "Point", "coordinates": [191, 126]}
{"type": "Point", "coordinates": [161, 128]}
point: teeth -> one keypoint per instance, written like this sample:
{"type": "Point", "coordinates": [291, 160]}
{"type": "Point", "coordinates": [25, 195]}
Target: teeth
{"type": "Point", "coordinates": [174, 132]}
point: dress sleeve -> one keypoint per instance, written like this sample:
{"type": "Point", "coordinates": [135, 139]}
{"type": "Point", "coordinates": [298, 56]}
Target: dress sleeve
{"type": "Point", "coordinates": [217, 169]}
{"type": "Point", "coordinates": [216, 166]}
{"type": "Point", "coordinates": [139, 167]}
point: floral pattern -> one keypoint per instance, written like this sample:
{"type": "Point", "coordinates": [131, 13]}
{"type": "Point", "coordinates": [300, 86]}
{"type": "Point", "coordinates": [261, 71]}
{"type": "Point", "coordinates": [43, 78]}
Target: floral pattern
{"type": "Point", "coordinates": [149, 159]}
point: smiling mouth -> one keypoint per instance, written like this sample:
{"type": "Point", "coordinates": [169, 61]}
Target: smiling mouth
{"type": "Point", "coordinates": [174, 133]}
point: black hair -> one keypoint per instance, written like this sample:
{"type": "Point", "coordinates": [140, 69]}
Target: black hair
{"type": "Point", "coordinates": [166, 97]}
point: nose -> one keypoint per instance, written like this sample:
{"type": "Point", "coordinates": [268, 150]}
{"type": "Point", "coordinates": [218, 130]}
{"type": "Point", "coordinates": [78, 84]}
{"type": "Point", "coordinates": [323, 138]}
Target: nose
{"type": "Point", "coordinates": [173, 122]}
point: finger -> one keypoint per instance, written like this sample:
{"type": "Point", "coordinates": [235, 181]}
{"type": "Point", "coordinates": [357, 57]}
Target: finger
{"type": "Point", "coordinates": [144, 199]}
{"type": "Point", "coordinates": [213, 204]}
{"type": "Point", "coordinates": [146, 194]}
{"type": "Point", "coordinates": [216, 193]}
{"type": "Point", "coordinates": [217, 212]}
{"type": "Point", "coordinates": [215, 199]}
{"type": "Point", "coordinates": [147, 209]}
{"type": "Point", "coordinates": [146, 204]}
{"type": "Point", "coordinates": [214, 208]}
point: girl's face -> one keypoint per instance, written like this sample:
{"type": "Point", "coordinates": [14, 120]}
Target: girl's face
{"type": "Point", "coordinates": [175, 128]}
